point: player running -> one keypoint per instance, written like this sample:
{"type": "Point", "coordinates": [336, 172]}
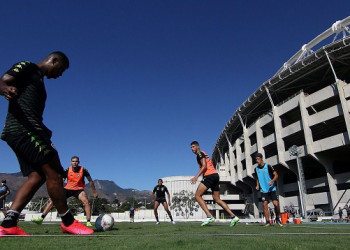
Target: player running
{"type": "Point", "coordinates": [210, 180]}
{"type": "Point", "coordinates": [24, 131]}
{"type": "Point", "coordinates": [75, 175]}
{"type": "Point", "coordinates": [158, 197]}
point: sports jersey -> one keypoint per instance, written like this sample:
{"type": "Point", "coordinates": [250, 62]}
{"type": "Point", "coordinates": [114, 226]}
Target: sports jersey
{"type": "Point", "coordinates": [75, 180]}
{"type": "Point", "coordinates": [210, 166]}
{"type": "Point", "coordinates": [265, 175]}
{"type": "Point", "coordinates": [160, 191]}
{"type": "Point", "coordinates": [25, 111]}
{"type": "Point", "coordinates": [3, 189]}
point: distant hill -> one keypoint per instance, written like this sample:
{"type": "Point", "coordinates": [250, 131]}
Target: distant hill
{"type": "Point", "coordinates": [105, 189]}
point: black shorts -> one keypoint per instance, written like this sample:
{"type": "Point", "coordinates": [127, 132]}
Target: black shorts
{"type": "Point", "coordinates": [211, 181]}
{"type": "Point", "coordinates": [32, 152]}
{"type": "Point", "coordinates": [270, 196]}
{"type": "Point", "coordinates": [161, 200]}
{"type": "Point", "coordinates": [74, 193]}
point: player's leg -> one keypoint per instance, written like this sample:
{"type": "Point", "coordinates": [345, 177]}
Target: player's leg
{"type": "Point", "coordinates": [155, 210]}
{"type": "Point", "coordinates": [217, 199]}
{"type": "Point", "coordinates": [166, 208]}
{"type": "Point", "coordinates": [84, 199]}
{"type": "Point", "coordinates": [47, 209]}
{"type": "Point", "coordinates": [266, 212]}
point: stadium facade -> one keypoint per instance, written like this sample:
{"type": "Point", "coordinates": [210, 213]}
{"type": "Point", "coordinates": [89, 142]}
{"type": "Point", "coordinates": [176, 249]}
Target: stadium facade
{"type": "Point", "coordinates": [300, 121]}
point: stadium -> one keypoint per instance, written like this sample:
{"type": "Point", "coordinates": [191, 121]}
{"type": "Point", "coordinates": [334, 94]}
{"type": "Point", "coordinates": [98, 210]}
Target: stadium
{"type": "Point", "coordinates": [299, 120]}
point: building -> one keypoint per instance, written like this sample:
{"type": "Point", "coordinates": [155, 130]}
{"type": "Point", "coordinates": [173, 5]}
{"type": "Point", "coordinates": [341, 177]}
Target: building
{"type": "Point", "coordinates": [299, 120]}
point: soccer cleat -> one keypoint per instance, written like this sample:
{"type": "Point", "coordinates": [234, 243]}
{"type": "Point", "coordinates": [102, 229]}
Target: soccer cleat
{"type": "Point", "coordinates": [76, 228]}
{"type": "Point", "coordinates": [234, 221]}
{"type": "Point", "coordinates": [207, 221]}
{"type": "Point", "coordinates": [173, 222]}
{"type": "Point", "coordinates": [157, 223]}
{"type": "Point", "coordinates": [38, 221]}
{"type": "Point", "coordinates": [88, 224]}
{"type": "Point", "coordinates": [278, 222]}
{"type": "Point", "coordinates": [267, 225]}
{"type": "Point", "coordinates": [12, 231]}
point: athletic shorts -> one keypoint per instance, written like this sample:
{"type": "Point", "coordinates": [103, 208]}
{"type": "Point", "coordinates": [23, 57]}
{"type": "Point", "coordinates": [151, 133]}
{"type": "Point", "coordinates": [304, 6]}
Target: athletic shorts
{"type": "Point", "coordinates": [32, 152]}
{"type": "Point", "coordinates": [74, 193]}
{"type": "Point", "coordinates": [161, 200]}
{"type": "Point", "coordinates": [211, 181]}
{"type": "Point", "coordinates": [270, 196]}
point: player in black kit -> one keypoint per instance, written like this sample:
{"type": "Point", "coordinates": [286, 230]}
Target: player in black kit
{"type": "Point", "coordinates": [158, 196]}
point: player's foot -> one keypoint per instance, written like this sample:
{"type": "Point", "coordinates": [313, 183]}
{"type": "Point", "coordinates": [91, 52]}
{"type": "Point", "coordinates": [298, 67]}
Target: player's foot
{"type": "Point", "coordinates": [76, 228]}
{"type": "Point", "coordinates": [173, 222]}
{"type": "Point", "coordinates": [207, 221]}
{"type": "Point", "coordinates": [88, 224]}
{"type": "Point", "coordinates": [234, 221]}
{"type": "Point", "coordinates": [278, 222]}
{"type": "Point", "coordinates": [267, 225]}
{"type": "Point", "coordinates": [38, 221]}
{"type": "Point", "coordinates": [12, 231]}
{"type": "Point", "coordinates": [157, 223]}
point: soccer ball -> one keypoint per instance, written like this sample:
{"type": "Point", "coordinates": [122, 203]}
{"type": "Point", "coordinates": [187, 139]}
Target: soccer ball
{"type": "Point", "coordinates": [104, 222]}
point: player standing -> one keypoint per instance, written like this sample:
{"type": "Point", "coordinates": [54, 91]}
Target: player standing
{"type": "Point", "coordinates": [4, 191]}
{"type": "Point", "coordinates": [266, 183]}
{"type": "Point", "coordinates": [75, 175]}
{"type": "Point", "coordinates": [210, 180]}
{"type": "Point", "coordinates": [24, 131]}
{"type": "Point", "coordinates": [158, 196]}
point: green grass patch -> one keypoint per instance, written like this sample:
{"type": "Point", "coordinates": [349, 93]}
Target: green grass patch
{"type": "Point", "coordinates": [186, 236]}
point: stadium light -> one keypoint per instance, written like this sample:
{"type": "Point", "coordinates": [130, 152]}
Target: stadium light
{"type": "Point", "coordinates": [293, 150]}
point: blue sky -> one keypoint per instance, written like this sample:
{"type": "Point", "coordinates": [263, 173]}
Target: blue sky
{"type": "Point", "coordinates": [148, 77]}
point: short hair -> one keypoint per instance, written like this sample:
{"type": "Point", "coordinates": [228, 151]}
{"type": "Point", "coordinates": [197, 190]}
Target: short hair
{"type": "Point", "coordinates": [74, 157]}
{"type": "Point", "coordinates": [62, 56]}
{"type": "Point", "coordinates": [3, 181]}
{"type": "Point", "coordinates": [160, 180]}
{"type": "Point", "coordinates": [259, 155]}
{"type": "Point", "coordinates": [195, 143]}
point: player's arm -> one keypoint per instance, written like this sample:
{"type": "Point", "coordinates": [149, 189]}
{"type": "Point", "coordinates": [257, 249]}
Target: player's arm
{"type": "Point", "coordinates": [201, 170]}
{"type": "Point", "coordinates": [6, 88]}
{"type": "Point", "coordinates": [274, 174]}
{"type": "Point", "coordinates": [92, 185]}
{"type": "Point", "coordinates": [169, 202]}
{"type": "Point", "coordinates": [153, 196]}
{"type": "Point", "coordinates": [257, 181]}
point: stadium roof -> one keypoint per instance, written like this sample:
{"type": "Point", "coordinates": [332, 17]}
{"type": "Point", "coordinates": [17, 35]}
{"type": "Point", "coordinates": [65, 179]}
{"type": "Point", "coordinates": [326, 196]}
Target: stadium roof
{"type": "Point", "coordinates": [305, 71]}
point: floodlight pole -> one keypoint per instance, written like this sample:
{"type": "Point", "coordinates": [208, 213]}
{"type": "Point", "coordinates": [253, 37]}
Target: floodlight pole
{"type": "Point", "coordinates": [301, 182]}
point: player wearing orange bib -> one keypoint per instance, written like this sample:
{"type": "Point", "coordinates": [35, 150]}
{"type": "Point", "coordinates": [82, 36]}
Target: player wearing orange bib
{"type": "Point", "coordinates": [210, 180]}
{"type": "Point", "coordinates": [75, 176]}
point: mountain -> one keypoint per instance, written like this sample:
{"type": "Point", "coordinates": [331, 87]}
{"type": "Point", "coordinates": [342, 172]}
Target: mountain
{"type": "Point", "coordinates": [105, 189]}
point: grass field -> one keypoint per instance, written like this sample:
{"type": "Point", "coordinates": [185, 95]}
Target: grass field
{"type": "Point", "coordinates": [186, 236]}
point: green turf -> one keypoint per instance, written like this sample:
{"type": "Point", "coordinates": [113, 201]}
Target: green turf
{"type": "Point", "coordinates": [186, 236]}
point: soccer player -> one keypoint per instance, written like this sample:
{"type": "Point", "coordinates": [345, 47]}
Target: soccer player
{"type": "Point", "coordinates": [210, 180]}
{"type": "Point", "coordinates": [23, 86]}
{"type": "Point", "coordinates": [75, 175]}
{"type": "Point", "coordinates": [4, 191]}
{"type": "Point", "coordinates": [266, 183]}
{"type": "Point", "coordinates": [132, 214]}
{"type": "Point", "coordinates": [158, 197]}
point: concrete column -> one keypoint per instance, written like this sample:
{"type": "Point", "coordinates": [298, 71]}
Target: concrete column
{"type": "Point", "coordinates": [340, 86]}
{"type": "Point", "coordinates": [278, 132]}
{"type": "Point", "coordinates": [247, 145]}
{"type": "Point", "coordinates": [239, 160]}
{"type": "Point", "coordinates": [305, 122]}
{"type": "Point", "coordinates": [333, 190]}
